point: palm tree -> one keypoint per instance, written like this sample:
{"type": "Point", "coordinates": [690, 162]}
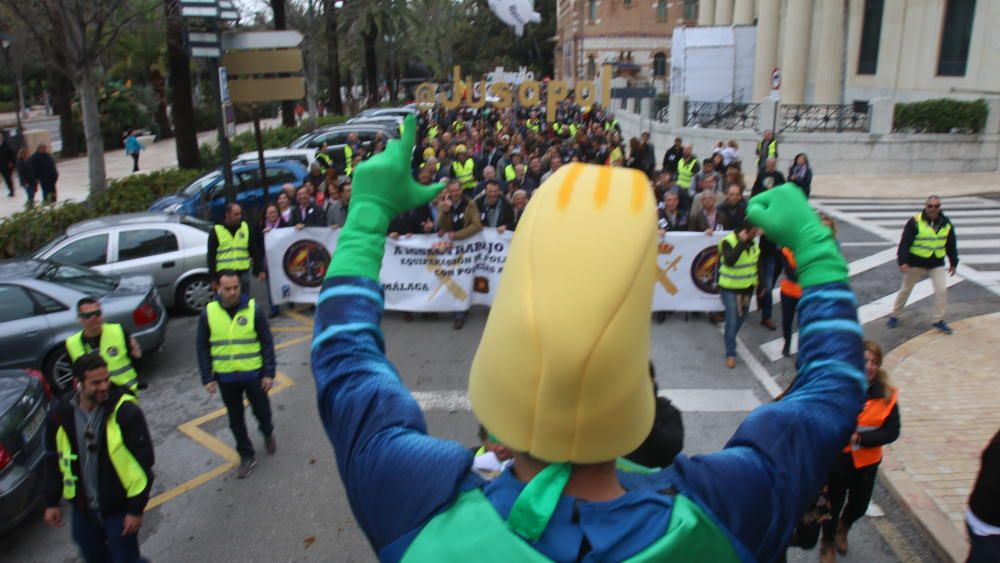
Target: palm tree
{"type": "Point", "coordinates": [142, 54]}
{"type": "Point", "coordinates": [179, 80]}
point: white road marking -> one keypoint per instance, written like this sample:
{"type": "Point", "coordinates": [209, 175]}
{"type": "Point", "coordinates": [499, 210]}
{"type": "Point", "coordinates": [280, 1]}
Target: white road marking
{"type": "Point", "coordinates": [959, 222]}
{"type": "Point", "coordinates": [876, 243]}
{"type": "Point", "coordinates": [687, 400]}
{"type": "Point", "coordinates": [980, 258]}
{"type": "Point", "coordinates": [904, 216]}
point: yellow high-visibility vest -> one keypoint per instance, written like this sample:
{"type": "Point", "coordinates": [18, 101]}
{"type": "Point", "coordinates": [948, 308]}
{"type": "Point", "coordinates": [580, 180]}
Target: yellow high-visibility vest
{"type": "Point", "coordinates": [233, 340]}
{"type": "Point", "coordinates": [743, 274]}
{"type": "Point", "coordinates": [114, 349]}
{"type": "Point", "coordinates": [233, 252]}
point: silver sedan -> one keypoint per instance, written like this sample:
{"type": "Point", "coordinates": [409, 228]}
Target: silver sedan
{"type": "Point", "coordinates": [171, 248]}
{"type": "Point", "coordinates": [38, 313]}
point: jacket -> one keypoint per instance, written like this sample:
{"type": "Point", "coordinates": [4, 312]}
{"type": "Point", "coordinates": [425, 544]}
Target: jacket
{"type": "Point", "coordinates": [699, 221]}
{"type": "Point", "coordinates": [505, 215]}
{"type": "Point", "coordinates": [25, 173]}
{"type": "Point", "coordinates": [110, 494]}
{"type": "Point", "coordinates": [903, 255]}
{"type": "Point", "coordinates": [203, 348]}
{"type": "Point", "coordinates": [311, 216]}
{"type": "Point", "coordinates": [44, 167]}
{"type": "Point", "coordinates": [889, 431]}
{"type": "Point", "coordinates": [462, 219]}
{"type": "Point", "coordinates": [671, 157]}
{"type": "Point", "coordinates": [755, 488]}
{"type": "Point", "coordinates": [803, 180]}
{"type": "Point", "coordinates": [256, 254]}
{"type": "Point", "coordinates": [985, 499]}
{"type": "Point", "coordinates": [411, 222]}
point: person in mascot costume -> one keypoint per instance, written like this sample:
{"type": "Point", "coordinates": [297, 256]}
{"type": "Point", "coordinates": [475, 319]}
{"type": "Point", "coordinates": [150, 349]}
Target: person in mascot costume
{"type": "Point", "coordinates": [577, 395]}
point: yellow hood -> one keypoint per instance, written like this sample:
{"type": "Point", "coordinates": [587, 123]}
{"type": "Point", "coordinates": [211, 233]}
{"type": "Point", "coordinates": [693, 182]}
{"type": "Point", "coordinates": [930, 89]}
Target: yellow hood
{"type": "Point", "coordinates": [562, 370]}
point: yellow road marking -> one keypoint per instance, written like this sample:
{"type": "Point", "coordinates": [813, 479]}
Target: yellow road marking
{"type": "Point", "coordinates": [292, 329]}
{"type": "Point", "coordinates": [292, 342]}
{"type": "Point", "coordinates": [295, 315]}
{"type": "Point", "coordinates": [192, 429]}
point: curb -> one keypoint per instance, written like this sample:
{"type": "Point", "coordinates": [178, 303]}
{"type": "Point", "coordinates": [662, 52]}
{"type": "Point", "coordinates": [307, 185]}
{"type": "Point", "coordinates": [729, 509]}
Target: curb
{"type": "Point", "coordinates": [937, 529]}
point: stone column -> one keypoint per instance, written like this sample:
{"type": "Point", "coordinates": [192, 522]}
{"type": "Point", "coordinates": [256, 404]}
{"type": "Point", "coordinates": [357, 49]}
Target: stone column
{"type": "Point", "coordinates": [830, 59]}
{"type": "Point", "coordinates": [882, 114]}
{"type": "Point", "coordinates": [723, 12]}
{"type": "Point", "coordinates": [706, 12]}
{"type": "Point", "coordinates": [766, 55]}
{"type": "Point", "coordinates": [677, 112]}
{"type": "Point", "coordinates": [743, 12]}
{"type": "Point", "coordinates": [795, 51]}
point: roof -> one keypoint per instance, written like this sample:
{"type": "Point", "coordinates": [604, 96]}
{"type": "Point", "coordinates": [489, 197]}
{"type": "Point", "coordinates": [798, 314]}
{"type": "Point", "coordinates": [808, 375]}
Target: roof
{"type": "Point", "coordinates": [123, 219]}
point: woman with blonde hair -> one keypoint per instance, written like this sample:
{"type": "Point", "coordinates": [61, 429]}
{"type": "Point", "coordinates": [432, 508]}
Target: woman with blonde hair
{"type": "Point", "coordinates": [853, 475]}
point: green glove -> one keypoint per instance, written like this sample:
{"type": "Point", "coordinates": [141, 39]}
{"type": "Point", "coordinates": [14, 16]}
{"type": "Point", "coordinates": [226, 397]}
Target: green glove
{"type": "Point", "coordinates": [786, 217]}
{"type": "Point", "coordinates": [383, 187]}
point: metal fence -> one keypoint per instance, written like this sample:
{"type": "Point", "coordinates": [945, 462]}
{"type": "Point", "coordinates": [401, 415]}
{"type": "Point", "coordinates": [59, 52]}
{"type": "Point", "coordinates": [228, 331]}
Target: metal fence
{"type": "Point", "coordinates": [721, 115]}
{"type": "Point", "coordinates": [837, 118]}
{"type": "Point", "coordinates": [661, 109]}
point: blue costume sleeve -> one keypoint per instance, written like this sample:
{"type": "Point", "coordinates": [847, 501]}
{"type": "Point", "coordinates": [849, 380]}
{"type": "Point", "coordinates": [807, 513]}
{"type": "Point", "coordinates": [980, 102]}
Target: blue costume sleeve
{"type": "Point", "coordinates": [397, 477]}
{"type": "Point", "coordinates": [780, 456]}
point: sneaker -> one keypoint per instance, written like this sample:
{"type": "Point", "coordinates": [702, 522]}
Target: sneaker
{"type": "Point", "coordinates": [786, 350]}
{"type": "Point", "coordinates": [768, 324]}
{"type": "Point", "coordinates": [730, 362]}
{"type": "Point", "coordinates": [459, 323]}
{"type": "Point", "coordinates": [892, 322]}
{"type": "Point", "coordinates": [246, 467]}
{"type": "Point", "coordinates": [943, 327]}
{"type": "Point", "coordinates": [271, 444]}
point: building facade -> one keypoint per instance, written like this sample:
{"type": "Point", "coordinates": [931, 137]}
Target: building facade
{"type": "Point", "coordinates": [632, 35]}
{"type": "Point", "coordinates": [839, 51]}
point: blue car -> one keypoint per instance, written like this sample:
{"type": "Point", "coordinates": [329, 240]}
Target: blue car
{"type": "Point", "coordinates": [206, 196]}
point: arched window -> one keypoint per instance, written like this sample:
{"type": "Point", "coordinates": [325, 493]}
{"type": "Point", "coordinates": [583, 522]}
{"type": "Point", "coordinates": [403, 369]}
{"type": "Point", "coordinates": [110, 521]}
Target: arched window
{"type": "Point", "coordinates": [592, 10]}
{"type": "Point", "coordinates": [660, 64]}
{"type": "Point", "coordinates": [661, 10]}
{"type": "Point", "coordinates": [591, 68]}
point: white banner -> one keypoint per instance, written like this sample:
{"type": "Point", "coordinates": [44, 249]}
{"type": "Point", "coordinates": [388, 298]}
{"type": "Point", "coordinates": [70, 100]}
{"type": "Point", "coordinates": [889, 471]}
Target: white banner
{"type": "Point", "coordinates": [424, 273]}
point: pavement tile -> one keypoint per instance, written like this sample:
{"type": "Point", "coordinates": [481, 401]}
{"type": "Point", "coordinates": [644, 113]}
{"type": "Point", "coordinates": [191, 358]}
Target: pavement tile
{"type": "Point", "coordinates": [948, 397]}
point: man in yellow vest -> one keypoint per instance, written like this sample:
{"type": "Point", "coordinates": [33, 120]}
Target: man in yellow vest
{"type": "Point", "coordinates": [464, 168]}
{"type": "Point", "coordinates": [323, 158]}
{"type": "Point", "coordinates": [767, 148]}
{"type": "Point", "coordinates": [350, 148]}
{"type": "Point", "coordinates": [687, 167]}
{"type": "Point", "coordinates": [115, 345]}
{"type": "Point", "coordinates": [100, 460]}
{"type": "Point", "coordinates": [927, 238]}
{"type": "Point", "coordinates": [236, 357]}
{"type": "Point", "coordinates": [232, 247]}
{"type": "Point", "coordinates": [738, 254]}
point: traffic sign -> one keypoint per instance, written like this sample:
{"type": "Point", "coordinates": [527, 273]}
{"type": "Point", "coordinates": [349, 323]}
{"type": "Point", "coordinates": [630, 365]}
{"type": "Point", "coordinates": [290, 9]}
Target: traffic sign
{"type": "Point", "coordinates": [261, 40]}
{"type": "Point", "coordinates": [776, 79]}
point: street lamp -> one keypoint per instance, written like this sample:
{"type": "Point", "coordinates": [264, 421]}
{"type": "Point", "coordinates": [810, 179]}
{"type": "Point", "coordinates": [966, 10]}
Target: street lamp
{"type": "Point", "coordinates": [5, 42]}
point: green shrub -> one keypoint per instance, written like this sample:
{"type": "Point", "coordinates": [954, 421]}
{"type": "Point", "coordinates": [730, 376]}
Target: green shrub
{"type": "Point", "coordinates": [26, 231]}
{"type": "Point", "coordinates": [940, 116]}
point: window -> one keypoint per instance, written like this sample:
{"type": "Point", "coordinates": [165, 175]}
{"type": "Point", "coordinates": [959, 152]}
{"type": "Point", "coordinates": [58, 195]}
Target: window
{"type": "Point", "coordinates": [83, 280]}
{"type": "Point", "coordinates": [15, 304]}
{"type": "Point", "coordinates": [200, 184]}
{"type": "Point", "coordinates": [248, 180]}
{"type": "Point", "coordinates": [690, 9]}
{"type": "Point", "coordinates": [592, 10]}
{"type": "Point", "coordinates": [591, 68]}
{"type": "Point", "coordinates": [89, 251]}
{"type": "Point", "coordinates": [955, 37]}
{"type": "Point", "coordinates": [279, 176]}
{"type": "Point", "coordinates": [661, 10]}
{"type": "Point", "coordinates": [871, 33]}
{"type": "Point", "coordinates": [46, 303]}
{"type": "Point", "coordinates": [140, 244]}
{"type": "Point", "coordinates": [660, 64]}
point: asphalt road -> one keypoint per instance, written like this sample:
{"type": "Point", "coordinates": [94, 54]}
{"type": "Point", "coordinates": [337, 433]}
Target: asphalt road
{"type": "Point", "coordinates": [293, 507]}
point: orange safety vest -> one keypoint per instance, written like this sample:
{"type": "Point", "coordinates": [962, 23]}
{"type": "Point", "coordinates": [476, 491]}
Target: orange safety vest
{"type": "Point", "coordinates": [872, 416]}
{"type": "Point", "coordinates": [788, 287]}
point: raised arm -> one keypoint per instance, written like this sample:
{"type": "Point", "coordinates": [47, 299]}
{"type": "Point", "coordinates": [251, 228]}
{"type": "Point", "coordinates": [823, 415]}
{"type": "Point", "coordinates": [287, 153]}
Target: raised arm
{"type": "Point", "coordinates": [396, 476]}
{"type": "Point", "coordinates": [780, 456]}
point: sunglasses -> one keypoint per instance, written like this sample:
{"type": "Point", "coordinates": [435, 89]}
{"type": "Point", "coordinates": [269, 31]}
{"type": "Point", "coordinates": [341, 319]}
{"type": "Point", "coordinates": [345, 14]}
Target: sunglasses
{"type": "Point", "coordinates": [91, 314]}
{"type": "Point", "coordinates": [938, 206]}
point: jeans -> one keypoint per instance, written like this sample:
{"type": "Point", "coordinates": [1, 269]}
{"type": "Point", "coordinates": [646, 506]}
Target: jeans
{"type": "Point", "coordinates": [232, 396]}
{"type": "Point", "coordinates": [766, 266]}
{"type": "Point", "coordinates": [29, 190]}
{"type": "Point", "coordinates": [850, 483]}
{"type": "Point", "coordinates": [100, 539]}
{"type": "Point", "coordinates": [8, 177]}
{"type": "Point", "coordinates": [983, 549]}
{"type": "Point", "coordinates": [135, 162]}
{"type": "Point", "coordinates": [735, 315]}
{"type": "Point", "coordinates": [788, 306]}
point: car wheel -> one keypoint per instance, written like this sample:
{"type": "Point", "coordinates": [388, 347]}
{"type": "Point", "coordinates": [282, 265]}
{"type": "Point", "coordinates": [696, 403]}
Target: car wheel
{"type": "Point", "coordinates": [194, 294]}
{"type": "Point", "coordinates": [58, 370]}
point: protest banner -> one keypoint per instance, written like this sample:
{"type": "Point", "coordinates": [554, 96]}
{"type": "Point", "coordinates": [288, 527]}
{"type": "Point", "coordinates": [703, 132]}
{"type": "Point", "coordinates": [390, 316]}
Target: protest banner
{"type": "Point", "coordinates": [423, 273]}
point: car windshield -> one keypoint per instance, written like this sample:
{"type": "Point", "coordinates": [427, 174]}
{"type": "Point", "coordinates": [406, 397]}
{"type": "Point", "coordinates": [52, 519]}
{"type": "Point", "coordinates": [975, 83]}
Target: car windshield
{"type": "Point", "coordinates": [301, 141]}
{"type": "Point", "coordinates": [199, 224]}
{"type": "Point", "coordinates": [83, 280]}
{"type": "Point", "coordinates": [199, 185]}
{"type": "Point", "coordinates": [51, 244]}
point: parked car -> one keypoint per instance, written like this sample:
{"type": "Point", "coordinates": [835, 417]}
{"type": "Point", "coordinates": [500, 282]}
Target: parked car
{"type": "Point", "coordinates": [389, 121]}
{"type": "Point", "coordinates": [172, 248]}
{"type": "Point", "coordinates": [206, 196]}
{"type": "Point", "coordinates": [24, 400]}
{"type": "Point", "coordinates": [38, 313]}
{"type": "Point", "coordinates": [303, 156]}
{"type": "Point", "coordinates": [400, 112]}
{"type": "Point", "coordinates": [336, 137]}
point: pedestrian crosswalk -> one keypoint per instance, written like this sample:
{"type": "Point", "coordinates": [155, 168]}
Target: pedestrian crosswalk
{"type": "Point", "coordinates": [977, 225]}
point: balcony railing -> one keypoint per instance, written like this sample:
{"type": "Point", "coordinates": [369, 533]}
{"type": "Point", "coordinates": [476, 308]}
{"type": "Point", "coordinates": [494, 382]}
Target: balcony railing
{"type": "Point", "coordinates": [661, 109]}
{"type": "Point", "coordinates": [722, 115]}
{"type": "Point", "coordinates": [837, 118]}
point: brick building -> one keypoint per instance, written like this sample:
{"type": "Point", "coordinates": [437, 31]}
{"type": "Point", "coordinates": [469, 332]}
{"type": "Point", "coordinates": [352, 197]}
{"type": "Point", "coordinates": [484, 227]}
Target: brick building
{"type": "Point", "coordinates": [632, 35]}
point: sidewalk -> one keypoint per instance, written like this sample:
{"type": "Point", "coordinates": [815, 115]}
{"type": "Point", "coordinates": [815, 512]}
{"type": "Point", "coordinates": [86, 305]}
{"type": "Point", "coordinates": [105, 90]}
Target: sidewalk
{"type": "Point", "coordinates": [949, 396]}
{"type": "Point", "coordinates": [74, 181]}
{"type": "Point", "coordinates": [915, 186]}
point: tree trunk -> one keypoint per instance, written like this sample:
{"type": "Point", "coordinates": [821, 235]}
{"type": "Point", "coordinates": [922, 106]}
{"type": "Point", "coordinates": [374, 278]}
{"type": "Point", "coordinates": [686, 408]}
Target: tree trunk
{"type": "Point", "coordinates": [62, 104]}
{"type": "Point", "coordinates": [86, 83]}
{"type": "Point", "coordinates": [371, 64]}
{"type": "Point", "coordinates": [159, 85]}
{"type": "Point", "coordinates": [336, 103]}
{"type": "Point", "coordinates": [181, 94]}
{"type": "Point", "coordinates": [280, 23]}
